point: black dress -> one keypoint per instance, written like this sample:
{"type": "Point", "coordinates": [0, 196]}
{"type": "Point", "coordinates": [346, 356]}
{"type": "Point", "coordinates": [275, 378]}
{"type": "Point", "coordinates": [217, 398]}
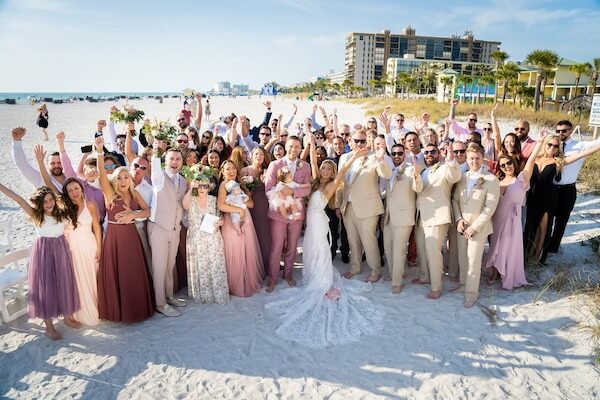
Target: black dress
{"type": "Point", "coordinates": [42, 120]}
{"type": "Point", "coordinates": [541, 199]}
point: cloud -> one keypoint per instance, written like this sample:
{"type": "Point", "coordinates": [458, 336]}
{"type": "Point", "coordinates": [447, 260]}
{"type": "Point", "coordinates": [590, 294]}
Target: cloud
{"type": "Point", "coordinates": [42, 5]}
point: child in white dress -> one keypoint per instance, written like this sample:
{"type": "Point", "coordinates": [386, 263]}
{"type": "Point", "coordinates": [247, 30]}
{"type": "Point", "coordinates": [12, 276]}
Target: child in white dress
{"type": "Point", "coordinates": [288, 206]}
{"type": "Point", "coordinates": [236, 197]}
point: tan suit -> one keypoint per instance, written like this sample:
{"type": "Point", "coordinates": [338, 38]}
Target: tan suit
{"type": "Point", "coordinates": [476, 207]}
{"type": "Point", "coordinates": [399, 218]}
{"type": "Point", "coordinates": [361, 207]}
{"type": "Point", "coordinates": [163, 229]}
{"type": "Point", "coordinates": [452, 249]}
{"type": "Point", "coordinates": [435, 214]}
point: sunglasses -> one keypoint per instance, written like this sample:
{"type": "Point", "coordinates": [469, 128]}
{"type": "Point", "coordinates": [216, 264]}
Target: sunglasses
{"type": "Point", "coordinates": [264, 134]}
{"type": "Point", "coordinates": [180, 119]}
{"type": "Point", "coordinates": [344, 134]}
{"type": "Point", "coordinates": [487, 129]}
{"type": "Point", "coordinates": [203, 186]}
{"type": "Point", "coordinates": [473, 119]}
{"type": "Point", "coordinates": [397, 153]}
{"type": "Point", "coordinates": [563, 130]}
{"type": "Point", "coordinates": [109, 167]}
{"type": "Point", "coordinates": [430, 152]}
{"type": "Point", "coordinates": [518, 129]}
{"type": "Point", "coordinates": [556, 146]}
{"type": "Point", "coordinates": [506, 164]}
{"type": "Point", "coordinates": [331, 131]}
{"type": "Point", "coordinates": [372, 122]}
{"type": "Point", "coordinates": [360, 141]}
{"type": "Point", "coordinates": [459, 151]}
{"type": "Point", "coordinates": [136, 166]}
{"type": "Point", "coordinates": [399, 120]}
{"type": "Point", "coordinates": [206, 137]}
{"type": "Point", "coordinates": [319, 137]}
{"type": "Point", "coordinates": [182, 141]}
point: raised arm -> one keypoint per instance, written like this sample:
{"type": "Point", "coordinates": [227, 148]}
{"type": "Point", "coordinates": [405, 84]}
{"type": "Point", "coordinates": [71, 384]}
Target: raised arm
{"type": "Point", "coordinates": [339, 178]}
{"type": "Point", "coordinates": [105, 185]}
{"type": "Point", "coordinates": [80, 172]}
{"type": "Point", "coordinates": [18, 199]}
{"type": "Point", "coordinates": [314, 168]}
{"type": "Point", "coordinates": [584, 153]}
{"type": "Point", "coordinates": [528, 169]}
{"type": "Point", "coordinates": [198, 119]}
{"type": "Point", "coordinates": [496, 129]}
{"type": "Point", "coordinates": [64, 158]}
{"type": "Point", "coordinates": [291, 120]}
{"type": "Point", "coordinates": [40, 155]}
{"type": "Point", "coordinates": [313, 119]}
{"type": "Point", "coordinates": [336, 129]}
{"type": "Point", "coordinates": [324, 114]}
{"type": "Point", "coordinates": [31, 174]}
{"type": "Point", "coordinates": [187, 198]}
{"type": "Point", "coordinates": [129, 153]}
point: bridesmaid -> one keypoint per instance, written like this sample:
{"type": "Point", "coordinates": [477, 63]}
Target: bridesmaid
{"type": "Point", "coordinates": [505, 257]}
{"type": "Point", "coordinates": [255, 173]}
{"type": "Point", "coordinates": [242, 253]}
{"type": "Point", "coordinates": [207, 274]}
{"type": "Point", "coordinates": [84, 236]}
{"type": "Point", "coordinates": [124, 293]}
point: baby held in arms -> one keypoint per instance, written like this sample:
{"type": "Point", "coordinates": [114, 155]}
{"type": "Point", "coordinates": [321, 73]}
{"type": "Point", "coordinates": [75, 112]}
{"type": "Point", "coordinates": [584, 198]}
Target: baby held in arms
{"type": "Point", "coordinates": [288, 206]}
{"type": "Point", "coordinates": [236, 197]}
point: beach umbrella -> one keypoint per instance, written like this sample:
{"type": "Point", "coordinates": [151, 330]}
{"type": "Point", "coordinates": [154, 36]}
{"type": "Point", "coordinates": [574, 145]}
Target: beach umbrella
{"type": "Point", "coordinates": [188, 92]}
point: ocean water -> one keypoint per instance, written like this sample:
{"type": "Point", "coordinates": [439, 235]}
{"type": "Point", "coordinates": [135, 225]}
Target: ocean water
{"type": "Point", "coordinates": [23, 96]}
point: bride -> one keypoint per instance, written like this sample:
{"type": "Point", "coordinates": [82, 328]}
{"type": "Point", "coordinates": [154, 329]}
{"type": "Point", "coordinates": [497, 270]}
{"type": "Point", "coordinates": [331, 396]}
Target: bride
{"type": "Point", "coordinates": [324, 310]}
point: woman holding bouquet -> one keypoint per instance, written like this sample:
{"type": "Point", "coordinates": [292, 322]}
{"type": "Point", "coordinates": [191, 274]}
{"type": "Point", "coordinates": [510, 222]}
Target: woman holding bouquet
{"type": "Point", "coordinates": [207, 273]}
{"type": "Point", "coordinates": [252, 178]}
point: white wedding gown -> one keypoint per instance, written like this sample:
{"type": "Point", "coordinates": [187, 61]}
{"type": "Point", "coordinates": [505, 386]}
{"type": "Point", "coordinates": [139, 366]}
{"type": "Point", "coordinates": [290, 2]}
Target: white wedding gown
{"type": "Point", "coordinates": [308, 316]}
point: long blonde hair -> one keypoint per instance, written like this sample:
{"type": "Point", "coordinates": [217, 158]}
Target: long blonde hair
{"type": "Point", "coordinates": [559, 158]}
{"type": "Point", "coordinates": [316, 183]}
{"type": "Point", "coordinates": [114, 181]}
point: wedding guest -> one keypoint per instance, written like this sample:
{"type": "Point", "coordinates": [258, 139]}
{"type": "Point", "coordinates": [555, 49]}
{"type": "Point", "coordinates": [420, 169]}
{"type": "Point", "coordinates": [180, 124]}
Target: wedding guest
{"type": "Point", "coordinates": [207, 273]}
{"type": "Point", "coordinates": [474, 201]}
{"type": "Point", "coordinates": [42, 121]}
{"type": "Point", "coordinates": [458, 132]}
{"type": "Point", "coordinates": [52, 287]}
{"type": "Point", "coordinates": [399, 215]}
{"type": "Point", "coordinates": [204, 143]}
{"type": "Point", "coordinates": [190, 158]}
{"type": "Point", "coordinates": [284, 229]}
{"type": "Point", "coordinates": [336, 225]}
{"type": "Point", "coordinates": [194, 142]}
{"type": "Point", "coordinates": [242, 253]}
{"type": "Point", "coordinates": [527, 143]}
{"type": "Point", "coordinates": [88, 178]}
{"type": "Point", "coordinates": [565, 188]}
{"type": "Point", "coordinates": [182, 142]}
{"type": "Point", "coordinates": [505, 257]}
{"type": "Point", "coordinates": [218, 143]}
{"type": "Point", "coordinates": [84, 236]}
{"type": "Point", "coordinates": [164, 227]}
{"type": "Point", "coordinates": [434, 215]}
{"type": "Point", "coordinates": [124, 293]}
{"type": "Point", "coordinates": [253, 176]}
{"type": "Point", "coordinates": [362, 205]}
{"type": "Point", "coordinates": [139, 169]}
{"type": "Point", "coordinates": [32, 175]}
{"type": "Point", "coordinates": [510, 144]}
{"type": "Point", "coordinates": [488, 143]}
{"type": "Point", "coordinates": [239, 156]}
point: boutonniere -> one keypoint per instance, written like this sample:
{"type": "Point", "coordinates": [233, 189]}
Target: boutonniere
{"type": "Point", "coordinates": [479, 183]}
{"type": "Point", "coordinates": [400, 172]}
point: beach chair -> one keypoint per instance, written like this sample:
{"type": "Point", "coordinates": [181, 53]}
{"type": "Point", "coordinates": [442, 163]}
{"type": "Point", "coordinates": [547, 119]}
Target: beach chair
{"type": "Point", "coordinates": [13, 275]}
{"type": "Point", "coordinates": [5, 236]}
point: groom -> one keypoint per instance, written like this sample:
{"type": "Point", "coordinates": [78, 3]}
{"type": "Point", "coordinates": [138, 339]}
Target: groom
{"type": "Point", "coordinates": [282, 228]}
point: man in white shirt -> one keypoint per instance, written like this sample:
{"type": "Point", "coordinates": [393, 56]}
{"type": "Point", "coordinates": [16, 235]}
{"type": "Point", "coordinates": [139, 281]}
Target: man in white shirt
{"type": "Point", "coordinates": [567, 193]}
{"type": "Point", "coordinates": [139, 170]}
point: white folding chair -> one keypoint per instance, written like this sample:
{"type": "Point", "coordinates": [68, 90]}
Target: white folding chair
{"type": "Point", "coordinates": [13, 275]}
{"type": "Point", "coordinates": [5, 235]}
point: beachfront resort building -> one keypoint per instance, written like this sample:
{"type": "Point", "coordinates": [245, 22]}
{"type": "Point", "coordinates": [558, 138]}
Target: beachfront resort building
{"type": "Point", "coordinates": [369, 55]}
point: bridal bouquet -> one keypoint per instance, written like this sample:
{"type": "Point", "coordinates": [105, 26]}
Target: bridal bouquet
{"type": "Point", "coordinates": [129, 114]}
{"type": "Point", "coordinates": [160, 130]}
{"type": "Point", "coordinates": [200, 172]}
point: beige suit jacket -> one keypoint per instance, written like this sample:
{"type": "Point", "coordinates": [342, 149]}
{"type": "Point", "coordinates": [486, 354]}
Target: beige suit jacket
{"type": "Point", "coordinates": [401, 199]}
{"type": "Point", "coordinates": [363, 189]}
{"type": "Point", "coordinates": [434, 203]}
{"type": "Point", "coordinates": [477, 207]}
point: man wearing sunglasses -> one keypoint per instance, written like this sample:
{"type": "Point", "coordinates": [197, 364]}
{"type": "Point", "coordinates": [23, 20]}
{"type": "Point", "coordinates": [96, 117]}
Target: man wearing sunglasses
{"type": "Point", "coordinates": [527, 143]}
{"type": "Point", "coordinates": [434, 215]}
{"type": "Point", "coordinates": [361, 205]}
{"type": "Point", "coordinates": [459, 132]}
{"type": "Point", "coordinates": [566, 191]}
{"type": "Point", "coordinates": [399, 216]}
{"type": "Point", "coordinates": [139, 169]}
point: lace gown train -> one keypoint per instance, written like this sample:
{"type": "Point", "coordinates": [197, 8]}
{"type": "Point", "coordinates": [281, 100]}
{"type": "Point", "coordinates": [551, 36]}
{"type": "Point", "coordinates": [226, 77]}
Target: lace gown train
{"type": "Point", "coordinates": [309, 316]}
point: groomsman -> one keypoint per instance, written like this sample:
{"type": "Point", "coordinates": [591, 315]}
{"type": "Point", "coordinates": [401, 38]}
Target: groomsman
{"type": "Point", "coordinates": [434, 216]}
{"type": "Point", "coordinates": [163, 229]}
{"type": "Point", "coordinates": [400, 211]}
{"type": "Point", "coordinates": [282, 228]}
{"type": "Point", "coordinates": [362, 205]}
{"type": "Point", "coordinates": [474, 201]}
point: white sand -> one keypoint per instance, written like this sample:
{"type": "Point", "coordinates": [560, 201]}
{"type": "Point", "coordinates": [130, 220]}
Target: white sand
{"type": "Point", "coordinates": [428, 349]}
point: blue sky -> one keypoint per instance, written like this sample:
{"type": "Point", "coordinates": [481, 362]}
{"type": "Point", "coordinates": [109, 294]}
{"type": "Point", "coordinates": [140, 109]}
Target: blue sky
{"type": "Point", "coordinates": [110, 45]}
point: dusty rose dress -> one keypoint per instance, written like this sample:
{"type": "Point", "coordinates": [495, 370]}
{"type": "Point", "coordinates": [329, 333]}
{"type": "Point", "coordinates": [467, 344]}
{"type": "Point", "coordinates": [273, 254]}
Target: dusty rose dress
{"type": "Point", "coordinates": [262, 223]}
{"type": "Point", "coordinates": [506, 243]}
{"type": "Point", "coordinates": [242, 256]}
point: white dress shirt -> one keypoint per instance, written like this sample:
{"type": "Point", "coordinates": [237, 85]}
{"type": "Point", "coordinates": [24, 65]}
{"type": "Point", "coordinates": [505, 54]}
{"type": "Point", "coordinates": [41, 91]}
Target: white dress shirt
{"type": "Point", "coordinates": [32, 175]}
{"type": "Point", "coordinates": [570, 172]}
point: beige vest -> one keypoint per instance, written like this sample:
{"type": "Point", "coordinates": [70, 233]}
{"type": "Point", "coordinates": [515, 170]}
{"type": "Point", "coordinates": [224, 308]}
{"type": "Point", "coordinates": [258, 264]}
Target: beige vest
{"type": "Point", "coordinates": [168, 209]}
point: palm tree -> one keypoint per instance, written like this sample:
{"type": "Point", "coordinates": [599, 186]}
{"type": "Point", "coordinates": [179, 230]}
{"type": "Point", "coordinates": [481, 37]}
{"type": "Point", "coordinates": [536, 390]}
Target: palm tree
{"type": "Point", "coordinates": [594, 77]}
{"type": "Point", "coordinates": [347, 84]}
{"type": "Point", "coordinates": [580, 69]}
{"type": "Point", "coordinates": [500, 57]}
{"type": "Point", "coordinates": [445, 81]}
{"type": "Point", "coordinates": [548, 74]}
{"type": "Point", "coordinates": [508, 74]}
{"type": "Point", "coordinates": [404, 80]}
{"type": "Point", "coordinates": [486, 80]}
{"type": "Point", "coordinates": [464, 80]}
{"type": "Point", "coordinates": [543, 60]}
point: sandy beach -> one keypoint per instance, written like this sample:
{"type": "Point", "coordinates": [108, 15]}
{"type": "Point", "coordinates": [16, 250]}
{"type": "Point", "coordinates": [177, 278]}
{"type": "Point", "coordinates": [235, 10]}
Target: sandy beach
{"type": "Point", "coordinates": [427, 350]}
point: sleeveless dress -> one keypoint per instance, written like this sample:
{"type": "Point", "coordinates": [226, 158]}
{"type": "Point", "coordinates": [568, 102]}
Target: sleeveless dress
{"type": "Point", "coordinates": [207, 273]}
{"type": "Point", "coordinates": [124, 287]}
{"type": "Point", "coordinates": [325, 310]}
{"type": "Point", "coordinates": [542, 198]}
{"type": "Point", "coordinates": [83, 254]}
{"type": "Point", "coordinates": [52, 289]}
{"type": "Point", "coordinates": [506, 244]}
